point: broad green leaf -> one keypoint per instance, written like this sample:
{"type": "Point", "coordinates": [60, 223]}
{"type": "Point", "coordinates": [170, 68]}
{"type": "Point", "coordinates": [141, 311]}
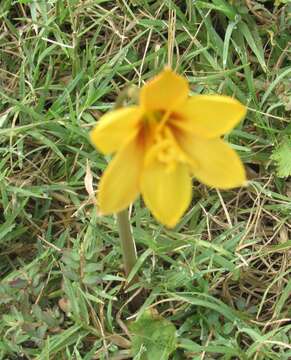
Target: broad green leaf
{"type": "Point", "coordinates": [153, 337]}
{"type": "Point", "coordinates": [282, 156]}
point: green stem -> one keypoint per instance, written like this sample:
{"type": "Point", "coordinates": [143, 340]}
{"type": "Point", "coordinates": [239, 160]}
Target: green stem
{"type": "Point", "coordinates": [127, 241]}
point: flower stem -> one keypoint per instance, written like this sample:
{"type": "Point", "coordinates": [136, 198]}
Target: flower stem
{"type": "Point", "coordinates": [127, 241]}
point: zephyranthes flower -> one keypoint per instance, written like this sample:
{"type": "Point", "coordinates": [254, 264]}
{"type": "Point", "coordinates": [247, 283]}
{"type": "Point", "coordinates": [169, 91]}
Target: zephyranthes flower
{"type": "Point", "coordinates": [164, 141]}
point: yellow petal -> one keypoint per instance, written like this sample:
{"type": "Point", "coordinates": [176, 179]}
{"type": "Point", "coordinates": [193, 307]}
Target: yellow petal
{"type": "Point", "coordinates": [166, 193]}
{"type": "Point", "coordinates": [115, 128]}
{"type": "Point", "coordinates": [210, 116]}
{"type": "Point", "coordinates": [119, 184]}
{"type": "Point", "coordinates": [164, 92]}
{"type": "Point", "coordinates": [214, 162]}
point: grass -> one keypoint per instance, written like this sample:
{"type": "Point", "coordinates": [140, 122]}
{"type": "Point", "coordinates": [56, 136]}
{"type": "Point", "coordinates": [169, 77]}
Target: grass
{"type": "Point", "coordinates": [222, 276]}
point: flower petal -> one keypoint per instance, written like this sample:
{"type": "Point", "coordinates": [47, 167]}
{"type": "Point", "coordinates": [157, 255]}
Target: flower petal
{"type": "Point", "coordinates": [119, 184]}
{"type": "Point", "coordinates": [210, 116]}
{"type": "Point", "coordinates": [164, 92]}
{"type": "Point", "coordinates": [214, 162]}
{"type": "Point", "coordinates": [115, 128]}
{"type": "Point", "coordinates": [166, 193]}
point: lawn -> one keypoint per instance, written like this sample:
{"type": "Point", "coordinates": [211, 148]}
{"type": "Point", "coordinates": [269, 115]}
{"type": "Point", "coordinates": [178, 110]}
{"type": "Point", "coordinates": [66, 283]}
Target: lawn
{"type": "Point", "coordinates": [218, 285]}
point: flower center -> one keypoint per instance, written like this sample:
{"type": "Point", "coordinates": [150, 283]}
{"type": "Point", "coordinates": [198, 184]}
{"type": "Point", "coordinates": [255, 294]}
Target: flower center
{"type": "Point", "coordinates": [152, 118]}
{"type": "Point", "coordinates": [165, 150]}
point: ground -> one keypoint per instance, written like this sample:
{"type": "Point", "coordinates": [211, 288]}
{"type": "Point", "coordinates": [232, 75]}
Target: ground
{"type": "Point", "coordinates": [222, 276]}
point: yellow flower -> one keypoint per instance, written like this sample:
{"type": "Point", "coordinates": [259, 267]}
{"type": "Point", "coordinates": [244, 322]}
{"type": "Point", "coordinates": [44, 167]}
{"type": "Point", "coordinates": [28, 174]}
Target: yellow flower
{"type": "Point", "coordinates": [164, 141]}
